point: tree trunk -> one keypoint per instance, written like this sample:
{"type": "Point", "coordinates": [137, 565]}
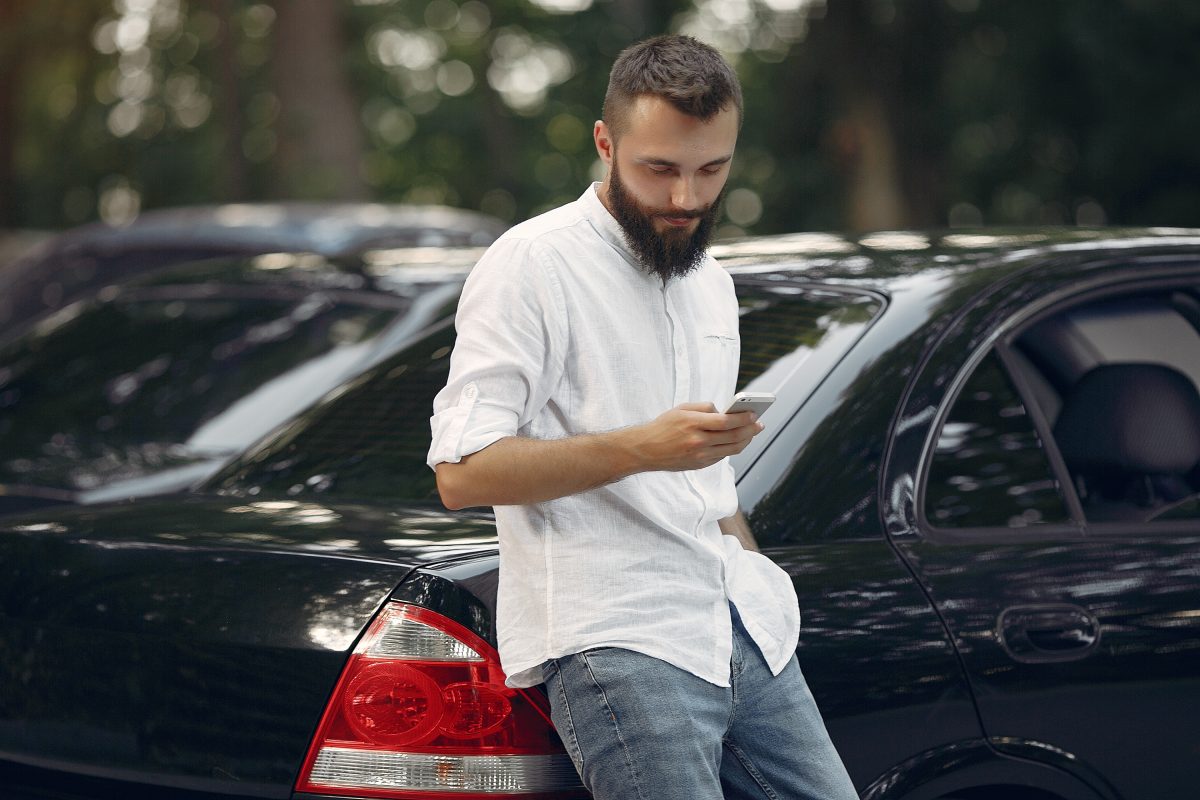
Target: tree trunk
{"type": "Point", "coordinates": [874, 199]}
{"type": "Point", "coordinates": [320, 139]}
{"type": "Point", "coordinates": [233, 119]}
{"type": "Point", "coordinates": [863, 74]}
{"type": "Point", "coordinates": [12, 60]}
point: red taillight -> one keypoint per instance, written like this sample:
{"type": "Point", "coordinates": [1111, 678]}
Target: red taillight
{"type": "Point", "coordinates": [421, 711]}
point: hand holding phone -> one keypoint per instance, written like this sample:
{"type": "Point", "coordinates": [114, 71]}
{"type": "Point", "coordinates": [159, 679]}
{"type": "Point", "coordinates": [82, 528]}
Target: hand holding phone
{"type": "Point", "coordinates": [758, 402]}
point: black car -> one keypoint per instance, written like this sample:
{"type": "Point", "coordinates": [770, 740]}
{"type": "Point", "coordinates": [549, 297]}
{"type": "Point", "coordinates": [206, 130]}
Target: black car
{"type": "Point", "coordinates": [77, 263]}
{"type": "Point", "coordinates": [136, 360]}
{"type": "Point", "coordinates": [982, 472]}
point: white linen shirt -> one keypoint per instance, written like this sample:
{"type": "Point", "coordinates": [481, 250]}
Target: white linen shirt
{"type": "Point", "coordinates": [560, 333]}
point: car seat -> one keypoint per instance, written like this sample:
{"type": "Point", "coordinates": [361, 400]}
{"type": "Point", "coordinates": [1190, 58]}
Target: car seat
{"type": "Point", "coordinates": [1130, 436]}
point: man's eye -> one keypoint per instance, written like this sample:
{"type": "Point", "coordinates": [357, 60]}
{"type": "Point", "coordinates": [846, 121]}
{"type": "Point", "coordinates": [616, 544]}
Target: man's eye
{"type": "Point", "coordinates": [660, 170]}
{"type": "Point", "coordinates": [712, 170]}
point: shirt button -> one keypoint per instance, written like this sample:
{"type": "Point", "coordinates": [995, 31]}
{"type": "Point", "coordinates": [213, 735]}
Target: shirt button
{"type": "Point", "coordinates": [470, 392]}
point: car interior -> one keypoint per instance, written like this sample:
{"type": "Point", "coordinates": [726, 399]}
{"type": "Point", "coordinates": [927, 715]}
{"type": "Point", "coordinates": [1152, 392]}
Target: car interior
{"type": "Point", "coordinates": [1117, 381]}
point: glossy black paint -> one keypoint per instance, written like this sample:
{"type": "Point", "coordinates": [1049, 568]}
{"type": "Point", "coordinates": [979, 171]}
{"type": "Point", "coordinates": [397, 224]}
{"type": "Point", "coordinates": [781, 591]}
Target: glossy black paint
{"type": "Point", "coordinates": [193, 643]}
{"type": "Point", "coordinates": [1134, 587]}
{"type": "Point", "coordinates": [822, 479]}
{"type": "Point", "coordinates": [901, 637]}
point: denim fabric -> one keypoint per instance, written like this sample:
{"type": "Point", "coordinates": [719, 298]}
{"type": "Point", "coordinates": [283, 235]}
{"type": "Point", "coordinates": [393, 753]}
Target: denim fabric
{"type": "Point", "coordinates": [638, 728]}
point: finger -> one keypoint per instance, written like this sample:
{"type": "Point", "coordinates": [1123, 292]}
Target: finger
{"type": "Point", "coordinates": [747, 432]}
{"type": "Point", "coordinates": [706, 407]}
{"type": "Point", "coordinates": [725, 422]}
{"type": "Point", "coordinates": [717, 453]}
{"type": "Point", "coordinates": [737, 437]}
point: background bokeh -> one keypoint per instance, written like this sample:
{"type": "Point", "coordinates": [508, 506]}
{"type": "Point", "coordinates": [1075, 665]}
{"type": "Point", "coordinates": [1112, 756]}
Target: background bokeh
{"type": "Point", "coordinates": [861, 114]}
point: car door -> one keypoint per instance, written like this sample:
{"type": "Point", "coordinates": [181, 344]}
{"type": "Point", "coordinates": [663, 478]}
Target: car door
{"type": "Point", "coordinates": [872, 649]}
{"type": "Point", "coordinates": [1070, 588]}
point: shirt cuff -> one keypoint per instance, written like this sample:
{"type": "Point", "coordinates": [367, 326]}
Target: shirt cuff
{"type": "Point", "coordinates": [467, 427]}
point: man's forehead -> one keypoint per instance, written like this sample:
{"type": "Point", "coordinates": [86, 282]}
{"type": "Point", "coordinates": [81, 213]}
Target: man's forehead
{"type": "Point", "coordinates": [652, 107]}
{"type": "Point", "coordinates": [655, 123]}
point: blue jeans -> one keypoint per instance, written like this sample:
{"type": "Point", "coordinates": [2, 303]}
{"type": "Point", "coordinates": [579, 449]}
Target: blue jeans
{"type": "Point", "coordinates": [638, 728]}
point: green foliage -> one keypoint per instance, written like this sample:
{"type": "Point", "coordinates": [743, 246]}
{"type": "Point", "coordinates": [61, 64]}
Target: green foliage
{"type": "Point", "coordinates": [969, 111]}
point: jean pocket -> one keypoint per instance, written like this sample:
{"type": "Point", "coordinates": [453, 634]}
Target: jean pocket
{"type": "Point", "coordinates": [560, 712]}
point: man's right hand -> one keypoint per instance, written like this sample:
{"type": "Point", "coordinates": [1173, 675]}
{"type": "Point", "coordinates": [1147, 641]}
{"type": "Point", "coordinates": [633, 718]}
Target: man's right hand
{"type": "Point", "coordinates": [690, 436]}
{"type": "Point", "coordinates": [518, 471]}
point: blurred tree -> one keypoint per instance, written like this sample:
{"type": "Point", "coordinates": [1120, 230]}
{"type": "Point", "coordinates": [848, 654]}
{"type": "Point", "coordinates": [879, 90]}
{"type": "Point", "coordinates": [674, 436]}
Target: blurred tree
{"type": "Point", "coordinates": [12, 60]}
{"type": "Point", "coordinates": [45, 78]}
{"type": "Point", "coordinates": [860, 113]}
{"type": "Point", "coordinates": [231, 105]}
{"type": "Point", "coordinates": [319, 132]}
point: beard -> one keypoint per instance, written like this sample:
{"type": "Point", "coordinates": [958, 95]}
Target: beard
{"type": "Point", "coordinates": [672, 253]}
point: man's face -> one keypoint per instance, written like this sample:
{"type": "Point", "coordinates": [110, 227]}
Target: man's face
{"type": "Point", "coordinates": [665, 181]}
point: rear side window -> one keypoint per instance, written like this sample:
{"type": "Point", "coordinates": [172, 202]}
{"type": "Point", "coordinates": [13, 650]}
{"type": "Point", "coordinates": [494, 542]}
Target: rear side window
{"type": "Point", "coordinates": [370, 442]}
{"type": "Point", "coordinates": [783, 327]}
{"type": "Point", "coordinates": [989, 468]}
{"type": "Point", "coordinates": [1115, 381]}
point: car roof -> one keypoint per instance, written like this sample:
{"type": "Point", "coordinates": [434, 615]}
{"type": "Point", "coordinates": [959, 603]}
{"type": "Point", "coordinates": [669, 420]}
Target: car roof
{"type": "Point", "coordinates": [71, 264]}
{"type": "Point", "coordinates": [330, 229]}
{"type": "Point", "coordinates": [879, 258]}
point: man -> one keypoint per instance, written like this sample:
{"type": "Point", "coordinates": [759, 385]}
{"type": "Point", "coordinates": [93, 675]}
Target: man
{"type": "Point", "coordinates": [596, 345]}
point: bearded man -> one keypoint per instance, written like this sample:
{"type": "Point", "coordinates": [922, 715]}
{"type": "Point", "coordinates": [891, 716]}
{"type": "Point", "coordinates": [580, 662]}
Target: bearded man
{"type": "Point", "coordinates": [596, 345]}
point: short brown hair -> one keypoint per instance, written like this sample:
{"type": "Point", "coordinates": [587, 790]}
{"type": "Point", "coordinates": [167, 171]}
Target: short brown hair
{"type": "Point", "coordinates": [689, 74]}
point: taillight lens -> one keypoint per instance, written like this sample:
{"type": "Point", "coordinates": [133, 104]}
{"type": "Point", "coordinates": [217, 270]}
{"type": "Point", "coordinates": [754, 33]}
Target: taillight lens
{"type": "Point", "coordinates": [421, 711]}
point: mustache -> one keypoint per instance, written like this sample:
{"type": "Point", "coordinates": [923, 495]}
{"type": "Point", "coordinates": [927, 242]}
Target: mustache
{"type": "Point", "coordinates": [697, 214]}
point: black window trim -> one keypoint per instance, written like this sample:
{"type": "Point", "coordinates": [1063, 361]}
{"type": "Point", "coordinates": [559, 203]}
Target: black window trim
{"type": "Point", "coordinates": [1139, 274]}
{"type": "Point", "coordinates": [1058, 467]}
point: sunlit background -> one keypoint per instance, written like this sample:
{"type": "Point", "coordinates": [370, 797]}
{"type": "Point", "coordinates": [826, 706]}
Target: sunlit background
{"type": "Point", "coordinates": [861, 114]}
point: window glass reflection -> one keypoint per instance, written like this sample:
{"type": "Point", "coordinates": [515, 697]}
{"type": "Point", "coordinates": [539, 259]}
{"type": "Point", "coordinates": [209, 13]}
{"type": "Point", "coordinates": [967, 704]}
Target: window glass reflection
{"type": "Point", "coordinates": [989, 468]}
{"type": "Point", "coordinates": [148, 379]}
{"type": "Point", "coordinates": [371, 441]}
{"type": "Point", "coordinates": [781, 327]}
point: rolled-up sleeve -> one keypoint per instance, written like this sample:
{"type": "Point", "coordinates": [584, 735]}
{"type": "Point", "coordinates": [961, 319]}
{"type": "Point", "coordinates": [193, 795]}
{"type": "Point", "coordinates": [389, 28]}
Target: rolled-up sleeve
{"type": "Point", "coordinates": [508, 354]}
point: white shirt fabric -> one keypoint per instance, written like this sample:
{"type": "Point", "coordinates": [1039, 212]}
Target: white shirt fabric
{"type": "Point", "coordinates": [560, 333]}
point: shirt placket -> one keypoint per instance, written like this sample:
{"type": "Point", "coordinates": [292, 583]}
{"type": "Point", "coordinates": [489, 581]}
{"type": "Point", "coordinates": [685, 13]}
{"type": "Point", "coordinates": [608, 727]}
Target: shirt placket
{"type": "Point", "coordinates": [683, 367]}
{"type": "Point", "coordinates": [683, 384]}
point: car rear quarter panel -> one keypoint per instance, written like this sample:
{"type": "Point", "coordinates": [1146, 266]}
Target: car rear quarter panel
{"type": "Point", "coordinates": [134, 652]}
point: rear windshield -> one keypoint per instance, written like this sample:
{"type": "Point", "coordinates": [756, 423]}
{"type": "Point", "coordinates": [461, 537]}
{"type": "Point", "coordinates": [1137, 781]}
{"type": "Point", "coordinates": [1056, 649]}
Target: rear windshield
{"type": "Point", "coordinates": [370, 438]}
{"type": "Point", "coordinates": [161, 374]}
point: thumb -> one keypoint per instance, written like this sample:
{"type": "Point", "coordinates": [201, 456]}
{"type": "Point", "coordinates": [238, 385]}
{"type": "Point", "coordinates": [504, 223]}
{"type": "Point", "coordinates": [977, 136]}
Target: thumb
{"type": "Point", "coordinates": [709, 407]}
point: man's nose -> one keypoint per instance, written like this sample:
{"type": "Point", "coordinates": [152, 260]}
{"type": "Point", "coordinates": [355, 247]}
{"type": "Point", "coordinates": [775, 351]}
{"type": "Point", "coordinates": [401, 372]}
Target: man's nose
{"type": "Point", "coordinates": [683, 194]}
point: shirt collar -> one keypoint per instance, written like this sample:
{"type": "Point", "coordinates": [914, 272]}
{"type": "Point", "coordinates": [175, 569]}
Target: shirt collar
{"type": "Point", "coordinates": [605, 223]}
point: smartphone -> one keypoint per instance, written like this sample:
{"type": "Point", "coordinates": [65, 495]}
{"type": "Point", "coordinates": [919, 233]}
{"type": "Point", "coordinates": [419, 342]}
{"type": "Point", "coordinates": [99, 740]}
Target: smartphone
{"type": "Point", "coordinates": [758, 402]}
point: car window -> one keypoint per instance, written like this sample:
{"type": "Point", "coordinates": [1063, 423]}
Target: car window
{"type": "Point", "coordinates": [145, 379]}
{"type": "Point", "coordinates": [989, 468]}
{"type": "Point", "coordinates": [371, 440]}
{"type": "Point", "coordinates": [782, 327]}
{"type": "Point", "coordinates": [1118, 380]}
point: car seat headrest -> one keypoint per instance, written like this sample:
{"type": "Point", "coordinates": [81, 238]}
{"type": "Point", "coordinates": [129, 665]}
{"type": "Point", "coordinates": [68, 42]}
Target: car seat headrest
{"type": "Point", "coordinates": [1133, 418]}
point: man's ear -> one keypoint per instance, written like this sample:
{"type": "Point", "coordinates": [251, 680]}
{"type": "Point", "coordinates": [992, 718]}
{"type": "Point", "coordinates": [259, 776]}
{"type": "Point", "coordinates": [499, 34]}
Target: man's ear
{"type": "Point", "coordinates": [605, 142]}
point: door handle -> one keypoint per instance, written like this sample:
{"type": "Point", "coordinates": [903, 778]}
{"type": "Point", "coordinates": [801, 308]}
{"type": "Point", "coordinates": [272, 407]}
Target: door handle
{"type": "Point", "coordinates": [1036, 634]}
